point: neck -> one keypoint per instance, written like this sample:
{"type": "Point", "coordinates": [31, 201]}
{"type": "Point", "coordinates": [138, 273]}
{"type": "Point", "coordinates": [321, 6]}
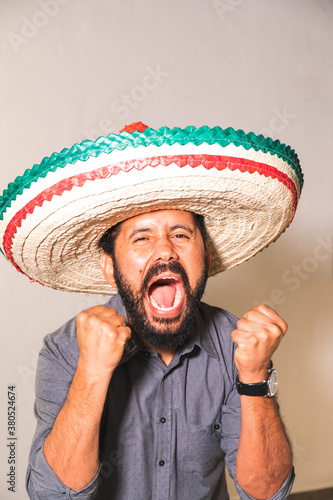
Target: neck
{"type": "Point", "coordinates": [166, 356]}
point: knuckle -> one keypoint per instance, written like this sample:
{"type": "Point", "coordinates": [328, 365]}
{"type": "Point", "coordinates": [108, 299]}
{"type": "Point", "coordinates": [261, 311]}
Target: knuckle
{"type": "Point", "coordinates": [253, 340]}
{"type": "Point", "coordinates": [264, 309]}
{"type": "Point", "coordinates": [111, 334]}
{"type": "Point", "coordinates": [284, 326]}
{"type": "Point", "coordinates": [240, 323]}
{"type": "Point", "coordinates": [234, 336]}
{"type": "Point", "coordinates": [111, 310]}
{"type": "Point", "coordinates": [254, 308]}
{"type": "Point", "coordinates": [96, 310]}
{"type": "Point", "coordinates": [82, 317]}
{"type": "Point", "coordinates": [121, 319]}
{"type": "Point", "coordinates": [93, 321]}
{"type": "Point", "coordinates": [276, 330]}
{"type": "Point", "coordinates": [125, 332]}
{"type": "Point", "coordinates": [266, 337]}
{"type": "Point", "coordinates": [265, 334]}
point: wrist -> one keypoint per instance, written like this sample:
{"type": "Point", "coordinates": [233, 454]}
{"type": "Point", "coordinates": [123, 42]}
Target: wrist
{"type": "Point", "coordinates": [88, 390]}
{"type": "Point", "coordinates": [266, 387]}
{"type": "Point", "coordinates": [92, 372]}
{"type": "Point", "coordinates": [251, 376]}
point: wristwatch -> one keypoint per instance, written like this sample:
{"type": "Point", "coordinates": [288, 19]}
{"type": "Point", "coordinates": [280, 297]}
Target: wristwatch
{"type": "Point", "coordinates": [267, 388]}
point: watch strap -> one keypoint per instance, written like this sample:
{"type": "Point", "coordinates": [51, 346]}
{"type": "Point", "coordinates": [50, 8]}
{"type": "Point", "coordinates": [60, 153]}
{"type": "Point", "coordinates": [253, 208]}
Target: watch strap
{"type": "Point", "coordinates": [257, 389]}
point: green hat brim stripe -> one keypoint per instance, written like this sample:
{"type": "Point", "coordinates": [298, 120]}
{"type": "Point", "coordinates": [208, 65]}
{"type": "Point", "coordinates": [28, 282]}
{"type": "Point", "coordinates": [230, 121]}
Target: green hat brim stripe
{"type": "Point", "coordinates": [164, 135]}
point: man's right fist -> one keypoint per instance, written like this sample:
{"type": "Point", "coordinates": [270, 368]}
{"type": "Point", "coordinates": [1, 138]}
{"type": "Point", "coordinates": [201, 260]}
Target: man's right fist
{"type": "Point", "coordinates": [101, 335]}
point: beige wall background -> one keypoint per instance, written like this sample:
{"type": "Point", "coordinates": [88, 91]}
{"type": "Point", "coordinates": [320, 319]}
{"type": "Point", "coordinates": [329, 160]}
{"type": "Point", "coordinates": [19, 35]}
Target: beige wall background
{"type": "Point", "coordinates": [78, 69]}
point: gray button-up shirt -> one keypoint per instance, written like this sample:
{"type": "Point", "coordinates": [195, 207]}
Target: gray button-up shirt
{"type": "Point", "coordinates": [166, 431]}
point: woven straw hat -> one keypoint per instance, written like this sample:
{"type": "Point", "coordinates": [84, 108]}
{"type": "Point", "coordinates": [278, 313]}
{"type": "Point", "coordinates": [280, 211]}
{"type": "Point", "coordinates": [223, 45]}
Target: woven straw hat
{"type": "Point", "coordinates": [51, 218]}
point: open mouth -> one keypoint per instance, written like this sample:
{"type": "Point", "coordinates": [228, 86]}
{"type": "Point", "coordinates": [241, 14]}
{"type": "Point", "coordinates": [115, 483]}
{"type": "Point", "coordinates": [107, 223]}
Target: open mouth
{"type": "Point", "coordinates": [166, 295]}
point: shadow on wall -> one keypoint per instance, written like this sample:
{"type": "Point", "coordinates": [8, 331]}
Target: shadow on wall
{"type": "Point", "coordinates": [296, 280]}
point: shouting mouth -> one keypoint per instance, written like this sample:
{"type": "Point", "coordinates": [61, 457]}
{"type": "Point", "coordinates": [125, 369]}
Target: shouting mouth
{"type": "Point", "coordinates": [166, 296]}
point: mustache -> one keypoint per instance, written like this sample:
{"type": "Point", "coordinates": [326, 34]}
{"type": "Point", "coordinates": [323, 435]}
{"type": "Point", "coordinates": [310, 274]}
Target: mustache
{"type": "Point", "coordinates": [162, 267]}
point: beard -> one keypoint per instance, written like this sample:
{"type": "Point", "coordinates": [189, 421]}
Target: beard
{"type": "Point", "coordinates": [170, 332]}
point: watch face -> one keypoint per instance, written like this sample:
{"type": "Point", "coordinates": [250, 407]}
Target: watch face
{"type": "Point", "coordinates": [273, 383]}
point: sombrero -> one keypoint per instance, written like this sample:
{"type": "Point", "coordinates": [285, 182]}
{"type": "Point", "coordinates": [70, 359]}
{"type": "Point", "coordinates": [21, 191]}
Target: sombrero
{"type": "Point", "coordinates": [52, 218]}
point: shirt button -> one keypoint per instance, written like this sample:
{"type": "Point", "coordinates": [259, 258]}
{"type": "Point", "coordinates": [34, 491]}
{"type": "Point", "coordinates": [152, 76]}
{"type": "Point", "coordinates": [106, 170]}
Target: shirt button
{"type": "Point", "coordinates": [162, 420]}
{"type": "Point", "coordinates": [161, 463]}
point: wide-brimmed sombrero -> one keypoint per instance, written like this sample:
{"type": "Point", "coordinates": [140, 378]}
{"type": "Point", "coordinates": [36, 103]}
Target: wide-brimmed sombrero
{"type": "Point", "coordinates": [52, 218]}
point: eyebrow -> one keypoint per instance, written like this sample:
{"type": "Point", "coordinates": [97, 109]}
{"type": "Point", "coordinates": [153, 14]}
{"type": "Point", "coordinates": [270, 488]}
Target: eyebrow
{"type": "Point", "coordinates": [149, 230]}
{"type": "Point", "coordinates": [140, 230]}
{"type": "Point", "coordinates": [182, 226]}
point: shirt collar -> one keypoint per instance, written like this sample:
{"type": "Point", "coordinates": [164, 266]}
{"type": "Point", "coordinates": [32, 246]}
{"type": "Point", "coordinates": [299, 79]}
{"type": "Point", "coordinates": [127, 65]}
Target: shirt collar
{"type": "Point", "coordinates": [207, 343]}
{"type": "Point", "coordinates": [201, 337]}
{"type": "Point", "coordinates": [134, 344]}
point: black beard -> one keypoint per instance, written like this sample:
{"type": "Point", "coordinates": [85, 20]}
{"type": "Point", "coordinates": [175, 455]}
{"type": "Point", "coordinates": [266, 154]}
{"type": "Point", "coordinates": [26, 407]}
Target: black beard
{"type": "Point", "coordinates": [168, 336]}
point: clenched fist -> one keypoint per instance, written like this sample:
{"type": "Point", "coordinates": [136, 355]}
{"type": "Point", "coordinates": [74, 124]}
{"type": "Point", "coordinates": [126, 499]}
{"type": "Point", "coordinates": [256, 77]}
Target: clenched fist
{"type": "Point", "coordinates": [258, 335]}
{"type": "Point", "coordinates": [101, 335]}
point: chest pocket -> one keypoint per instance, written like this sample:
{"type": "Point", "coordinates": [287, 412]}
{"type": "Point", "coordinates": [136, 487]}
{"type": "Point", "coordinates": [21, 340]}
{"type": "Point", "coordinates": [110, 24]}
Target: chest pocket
{"type": "Point", "coordinates": [203, 451]}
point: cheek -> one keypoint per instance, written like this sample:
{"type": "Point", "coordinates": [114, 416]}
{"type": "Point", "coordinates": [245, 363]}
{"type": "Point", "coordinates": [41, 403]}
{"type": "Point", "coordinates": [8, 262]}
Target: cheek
{"type": "Point", "coordinates": [195, 266]}
{"type": "Point", "coordinates": [134, 265]}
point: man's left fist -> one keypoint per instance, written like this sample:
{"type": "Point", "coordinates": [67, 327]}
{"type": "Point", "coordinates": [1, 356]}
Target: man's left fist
{"type": "Point", "coordinates": [258, 335]}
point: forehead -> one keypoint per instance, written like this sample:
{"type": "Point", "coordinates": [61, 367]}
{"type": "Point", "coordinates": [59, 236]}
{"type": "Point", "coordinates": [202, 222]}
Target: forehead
{"type": "Point", "coordinates": [159, 217]}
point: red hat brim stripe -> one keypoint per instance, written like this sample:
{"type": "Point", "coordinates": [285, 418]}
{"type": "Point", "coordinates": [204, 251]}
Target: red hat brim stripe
{"type": "Point", "coordinates": [207, 161]}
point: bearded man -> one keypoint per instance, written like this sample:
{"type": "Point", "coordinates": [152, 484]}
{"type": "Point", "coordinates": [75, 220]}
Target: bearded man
{"type": "Point", "coordinates": [151, 394]}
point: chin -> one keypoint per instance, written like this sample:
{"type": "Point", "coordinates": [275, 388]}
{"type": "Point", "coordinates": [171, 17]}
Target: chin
{"type": "Point", "coordinates": [166, 325]}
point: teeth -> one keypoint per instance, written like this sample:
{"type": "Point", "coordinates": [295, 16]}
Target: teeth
{"type": "Point", "coordinates": [176, 301]}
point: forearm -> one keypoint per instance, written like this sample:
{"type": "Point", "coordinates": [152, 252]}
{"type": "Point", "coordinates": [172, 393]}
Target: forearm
{"type": "Point", "coordinates": [264, 457]}
{"type": "Point", "coordinates": [71, 449]}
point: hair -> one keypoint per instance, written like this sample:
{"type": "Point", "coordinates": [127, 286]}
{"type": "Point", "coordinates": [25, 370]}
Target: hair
{"type": "Point", "coordinates": [108, 240]}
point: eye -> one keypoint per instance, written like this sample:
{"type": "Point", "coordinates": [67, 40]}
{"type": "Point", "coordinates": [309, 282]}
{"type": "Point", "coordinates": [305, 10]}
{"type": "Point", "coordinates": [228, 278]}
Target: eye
{"type": "Point", "coordinates": [142, 238]}
{"type": "Point", "coordinates": [180, 236]}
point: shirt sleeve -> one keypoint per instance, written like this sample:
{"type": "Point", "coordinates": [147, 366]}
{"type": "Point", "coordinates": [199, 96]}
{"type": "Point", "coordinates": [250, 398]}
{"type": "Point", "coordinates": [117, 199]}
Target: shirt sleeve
{"type": "Point", "coordinates": [282, 494]}
{"type": "Point", "coordinates": [56, 368]}
{"type": "Point", "coordinates": [44, 484]}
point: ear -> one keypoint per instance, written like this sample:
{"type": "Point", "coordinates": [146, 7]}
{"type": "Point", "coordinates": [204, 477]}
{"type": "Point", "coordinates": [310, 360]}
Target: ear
{"type": "Point", "coordinates": [106, 264]}
{"type": "Point", "coordinates": [209, 259]}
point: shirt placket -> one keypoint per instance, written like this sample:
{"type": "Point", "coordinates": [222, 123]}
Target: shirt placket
{"type": "Point", "coordinates": [163, 433]}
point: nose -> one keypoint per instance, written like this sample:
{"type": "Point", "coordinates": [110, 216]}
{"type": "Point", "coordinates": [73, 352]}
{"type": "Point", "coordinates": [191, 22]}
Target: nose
{"type": "Point", "coordinates": [164, 250]}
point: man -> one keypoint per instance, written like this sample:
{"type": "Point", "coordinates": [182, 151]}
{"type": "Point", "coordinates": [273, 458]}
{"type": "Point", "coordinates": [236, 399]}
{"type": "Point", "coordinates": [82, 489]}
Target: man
{"type": "Point", "coordinates": [149, 395]}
